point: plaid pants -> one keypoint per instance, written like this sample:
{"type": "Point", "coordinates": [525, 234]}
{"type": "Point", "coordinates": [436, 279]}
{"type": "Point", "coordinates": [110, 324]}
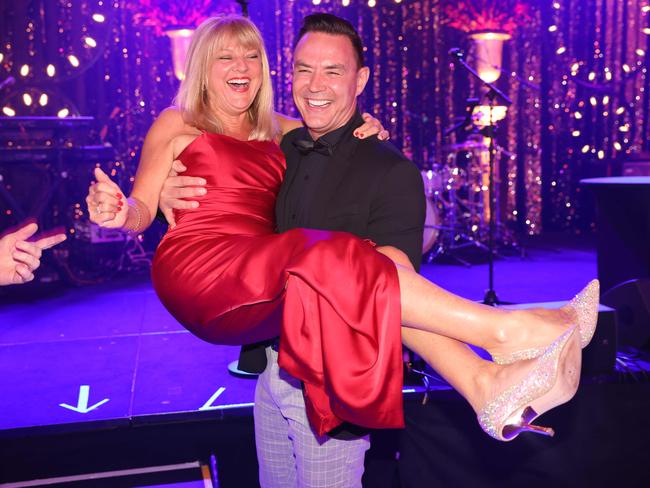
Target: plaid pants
{"type": "Point", "coordinates": [290, 453]}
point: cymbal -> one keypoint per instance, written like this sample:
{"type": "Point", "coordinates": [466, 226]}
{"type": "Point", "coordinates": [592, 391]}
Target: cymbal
{"type": "Point", "coordinates": [468, 145]}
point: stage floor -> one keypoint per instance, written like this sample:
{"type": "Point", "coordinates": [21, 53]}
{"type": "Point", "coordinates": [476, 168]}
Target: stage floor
{"type": "Point", "coordinates": [110, 355]}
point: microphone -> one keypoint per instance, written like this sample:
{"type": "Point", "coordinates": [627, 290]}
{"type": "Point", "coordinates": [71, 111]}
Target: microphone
{"type": "Point", "coordinates": [456, 53]}
{"type": "Point", "coordinates": [7, 82]}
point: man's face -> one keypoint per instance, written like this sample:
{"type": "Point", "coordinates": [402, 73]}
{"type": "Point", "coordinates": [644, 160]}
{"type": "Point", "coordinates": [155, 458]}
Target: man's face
{"type": "Point", "coordinates": [326, 81]}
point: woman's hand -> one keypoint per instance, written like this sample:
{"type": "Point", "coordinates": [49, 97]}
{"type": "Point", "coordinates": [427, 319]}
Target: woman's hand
{"type": "Point", "coordinates": [106, 203]}
{"type": "Point", "coordinates": [371, 127]}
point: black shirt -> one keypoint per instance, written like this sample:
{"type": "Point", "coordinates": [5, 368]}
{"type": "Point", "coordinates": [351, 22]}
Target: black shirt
{"type": "Point", "coordinates": [311, 168]}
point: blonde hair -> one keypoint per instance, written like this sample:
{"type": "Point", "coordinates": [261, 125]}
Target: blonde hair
{"type": "Point", "coordinates": [192, 97]}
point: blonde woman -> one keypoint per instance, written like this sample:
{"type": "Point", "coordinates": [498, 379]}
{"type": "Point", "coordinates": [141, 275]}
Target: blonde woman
{"type": "Point", "coordinates": [346, 304]}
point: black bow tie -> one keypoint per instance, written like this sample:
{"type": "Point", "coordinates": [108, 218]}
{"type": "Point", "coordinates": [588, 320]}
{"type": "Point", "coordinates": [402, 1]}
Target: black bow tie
{"type": "Point", "coordinates": [306, 146]}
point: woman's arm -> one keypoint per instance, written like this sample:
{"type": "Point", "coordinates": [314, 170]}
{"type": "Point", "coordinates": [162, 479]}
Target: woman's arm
{"type": "Point", "coordinates": [104, 200]}
{"type": "Point", "coordinates": [371, 126]}
{"type": "Point", "coordinates": [286, 123]}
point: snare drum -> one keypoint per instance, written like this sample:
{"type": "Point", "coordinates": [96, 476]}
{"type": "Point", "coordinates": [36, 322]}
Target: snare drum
{"type": "Point", "coordinates": [431, 227]}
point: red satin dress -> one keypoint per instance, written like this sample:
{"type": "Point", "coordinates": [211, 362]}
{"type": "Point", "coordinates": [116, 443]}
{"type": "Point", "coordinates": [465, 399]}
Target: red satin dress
{"type": "Point", "coordinates": [226, 276]}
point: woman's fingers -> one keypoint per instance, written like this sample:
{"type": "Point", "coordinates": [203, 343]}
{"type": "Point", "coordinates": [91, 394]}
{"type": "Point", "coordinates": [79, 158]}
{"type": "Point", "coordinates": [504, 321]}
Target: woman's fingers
{"type": "Point", "coordinates": [371, 127]}
{"type": "Point", "coordinates": [104, 217]}
{"type": "Point", "coordinates": [107, 198]}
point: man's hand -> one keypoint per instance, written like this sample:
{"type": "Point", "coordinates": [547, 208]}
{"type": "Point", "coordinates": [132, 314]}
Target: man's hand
{"type": "Point", "coordinates": [176, 189]}
{"type": "Point", "coordinates": [20, 258]}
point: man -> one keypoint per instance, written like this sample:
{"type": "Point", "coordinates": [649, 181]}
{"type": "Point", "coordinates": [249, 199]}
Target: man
{"type": "Point", "coordinates": [19, 258]}
{"type": "Point", "coordinates": [337, 182]}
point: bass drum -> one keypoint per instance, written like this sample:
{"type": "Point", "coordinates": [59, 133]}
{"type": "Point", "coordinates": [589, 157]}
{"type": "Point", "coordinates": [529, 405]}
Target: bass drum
{"type": "Point", "coordinates": [431, 227]}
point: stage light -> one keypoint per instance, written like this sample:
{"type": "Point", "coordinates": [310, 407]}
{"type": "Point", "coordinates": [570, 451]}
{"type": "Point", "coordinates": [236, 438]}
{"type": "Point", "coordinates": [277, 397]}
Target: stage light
{"type": "Point", "coordinates": [64, 112]}
{"type": "Point", "coordinates": [2, 57]}
{"type": "Point", "coordinates": [556, 5]}
{"type": "Point", "coordinates": [585, 149]}
{"type": "Point", "coordinates": [620, 110]}
{"type": "Point", "coordinates": [617, 146]}
{"type": "Point", "coordinates": [561, 50]}
{"type": "Point", "coordinates": [646, 30]}
{"type": "Point", "coordinates": [90, 42]}
{"type": "Point", "coordinates": [624, 128]}
{"type": "Point", "coordinates": [552, 28]}
{"type": "Point", "coordinates": [626, 68]}
{"type": "Point", "coordinates": [592, 76]}
{"type": "Point", "coordinates": [645, 8]}
{"type": "Point", "coordinates": [73, 60]}
{"type": "Point", "coordinates": [99, 18]}
{"type": "Point", "coordinates": [640, 52]}
{"type": "Point", "coordinates": [577, 115]}
{"type": "Point", "coordinates": [8, 111]}
{"type": "Point", "coordinates": [575, 133]}
{"type": "Point", "coordinates": [50, 70]}
{"type": "Point", "coordinates": [605, 99]}
{"type": "Point", "coordinates": [24, 70]}
{"type": "Point", "coordinates": [27, 99]}
{"type": "Point", "coordinates": [372, 3]}
{"type": "Point", "coordinates": [346, 3]}
{"type": "Point", "coordinates": [43, 99]}
{"type": "Point", "coordinates": [593, 101]}
{"type": "Point", "coordinates": [488, 55]}
{"type": "Point", "coordinates": [601, 154]}
{"type": "Point", "coordinates": [608, 75]}
{"type": "Point", "coordinates": [575, 66]}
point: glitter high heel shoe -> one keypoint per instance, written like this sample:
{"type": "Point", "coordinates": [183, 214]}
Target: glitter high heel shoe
{"type": "Point", "coordinates": [584, 307]}
{"type": "Point", "coordinates": [552, 382]}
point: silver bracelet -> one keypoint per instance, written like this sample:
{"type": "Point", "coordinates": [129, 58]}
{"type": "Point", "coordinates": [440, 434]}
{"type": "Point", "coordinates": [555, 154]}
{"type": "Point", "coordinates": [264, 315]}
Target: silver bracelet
{"type": "Point", "coordinates": [135, 229]}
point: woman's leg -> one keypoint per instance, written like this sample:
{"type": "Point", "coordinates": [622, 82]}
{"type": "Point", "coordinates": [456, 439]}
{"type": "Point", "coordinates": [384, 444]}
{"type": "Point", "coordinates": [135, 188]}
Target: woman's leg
{"type": "Point", "coordinates": [427, 307]}
{"type": "Point", "coordinates": [497, 393]}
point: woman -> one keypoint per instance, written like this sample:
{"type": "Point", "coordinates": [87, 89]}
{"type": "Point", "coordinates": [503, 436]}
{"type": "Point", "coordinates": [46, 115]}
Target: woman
{"type": "Point", "coordinates": [222, 271]}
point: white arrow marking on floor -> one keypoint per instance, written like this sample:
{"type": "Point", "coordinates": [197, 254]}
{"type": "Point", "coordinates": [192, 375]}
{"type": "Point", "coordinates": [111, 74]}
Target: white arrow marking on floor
{"type": "Point", "coordinates": [82, 403]}
{"type": "Point", "coordinates": [208, 405]}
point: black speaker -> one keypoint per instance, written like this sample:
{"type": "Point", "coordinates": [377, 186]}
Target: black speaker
{"type": "Point", "coordinates": [631, 299]}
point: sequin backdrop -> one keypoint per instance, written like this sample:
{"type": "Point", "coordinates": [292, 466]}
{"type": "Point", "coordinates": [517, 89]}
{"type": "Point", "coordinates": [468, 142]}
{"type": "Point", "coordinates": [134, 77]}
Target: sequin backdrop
{"type": "Point", "coordinates": [577, 76]}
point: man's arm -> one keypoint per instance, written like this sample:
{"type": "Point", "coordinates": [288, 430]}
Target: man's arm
{"type": "Point", "coordinates": [398, 211]}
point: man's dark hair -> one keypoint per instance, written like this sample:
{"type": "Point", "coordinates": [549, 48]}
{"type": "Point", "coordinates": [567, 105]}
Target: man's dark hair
{"type": "Point", "coordinates": [331, 24]}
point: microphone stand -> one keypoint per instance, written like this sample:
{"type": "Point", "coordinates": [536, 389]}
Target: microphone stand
{"type": "Point", "coordinates": [493, 94]}
{"type": "Point", "coordinates": [244, 7]}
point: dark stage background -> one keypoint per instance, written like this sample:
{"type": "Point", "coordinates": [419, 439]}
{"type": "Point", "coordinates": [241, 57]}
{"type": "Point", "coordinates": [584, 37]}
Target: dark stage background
{"type": "Point", "coordinates": [576, 71]}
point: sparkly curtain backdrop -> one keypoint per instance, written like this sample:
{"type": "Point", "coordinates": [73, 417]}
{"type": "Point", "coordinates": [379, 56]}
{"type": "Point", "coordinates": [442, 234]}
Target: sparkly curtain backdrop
{"type": "Point", "coordinates": [576, 75]}
{"type": "Point", "coordinates": [596, 111]}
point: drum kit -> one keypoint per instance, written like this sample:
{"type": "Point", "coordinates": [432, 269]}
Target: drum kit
{"type": "Point", "coordinates": [457, 201]}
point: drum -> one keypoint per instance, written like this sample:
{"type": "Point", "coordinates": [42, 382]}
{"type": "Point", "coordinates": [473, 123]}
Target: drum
{"type": "Point", "coordinates": [431, 227]}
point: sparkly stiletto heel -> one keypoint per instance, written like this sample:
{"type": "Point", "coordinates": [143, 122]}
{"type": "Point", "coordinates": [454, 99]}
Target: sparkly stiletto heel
{"type": "Point", "coordinates": [584, 307]}
{"type": "Point", "coordinates": [552, 382]}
